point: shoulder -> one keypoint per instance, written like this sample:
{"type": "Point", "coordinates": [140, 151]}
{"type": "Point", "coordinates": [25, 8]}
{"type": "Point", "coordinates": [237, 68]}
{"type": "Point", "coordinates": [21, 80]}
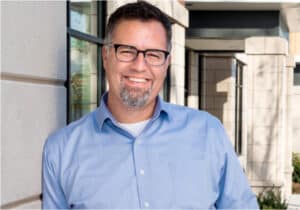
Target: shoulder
{"type": "Point", "coordinates": [57, 140]}
{"type": "Point", "coordinates": [179, 112]}
{"type": "Point", "coordinates": [198, 123]}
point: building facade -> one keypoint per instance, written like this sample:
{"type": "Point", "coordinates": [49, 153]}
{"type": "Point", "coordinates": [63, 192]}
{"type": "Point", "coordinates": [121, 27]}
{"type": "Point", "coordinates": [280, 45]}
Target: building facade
{"type": "Point", "coordinates": [243, 73]}
{"type": "Point", "coordinates": [243, 58]}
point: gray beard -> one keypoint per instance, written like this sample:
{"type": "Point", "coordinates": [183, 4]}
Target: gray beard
{"type": "Point", "coordinates": [134, 97]}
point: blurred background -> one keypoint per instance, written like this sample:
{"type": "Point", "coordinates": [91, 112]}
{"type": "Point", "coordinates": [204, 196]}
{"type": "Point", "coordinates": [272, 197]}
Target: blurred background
{"type": "Point", "coordinates": [239, 60]}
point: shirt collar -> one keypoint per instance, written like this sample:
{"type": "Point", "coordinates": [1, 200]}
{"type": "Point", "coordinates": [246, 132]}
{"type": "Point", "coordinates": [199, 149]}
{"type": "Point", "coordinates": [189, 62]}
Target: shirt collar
{"type": "Point", "coordinates": [161, 107]}
{"type": "Point", "coordinates": [103, 113]}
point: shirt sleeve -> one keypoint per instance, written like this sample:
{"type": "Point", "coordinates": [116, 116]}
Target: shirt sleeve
{"type": "Point", "coordinates": [235, 191]}
{"type": "Point", "coordinates": [53, 195]}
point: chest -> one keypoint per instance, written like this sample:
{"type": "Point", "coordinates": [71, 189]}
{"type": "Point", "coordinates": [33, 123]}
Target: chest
{"type": "Point", "coordinates": [141, 176]}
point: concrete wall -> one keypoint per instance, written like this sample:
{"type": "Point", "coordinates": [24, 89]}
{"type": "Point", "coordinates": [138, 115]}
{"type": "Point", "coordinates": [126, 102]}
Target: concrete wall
{"type": "Point", "coordinates": [296, 119]}
{"type": "Point", "coordinates": [294, 50]}
{"type": "Point", "coordinates": [267, 112]}
{"type": "Point", "coordinates": [177, 67]}
{"type": "Point", "coordinates": [193, 80]}
{"type": "Point", "coordinates": [33, 98]}
{"type": "Point", "coordinates": [288, 169]}
{"type": "Point", "coordinates": [294, 43]}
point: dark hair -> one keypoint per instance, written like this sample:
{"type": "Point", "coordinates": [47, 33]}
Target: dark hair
{"type": "Point", "coordinates": [141, 11]}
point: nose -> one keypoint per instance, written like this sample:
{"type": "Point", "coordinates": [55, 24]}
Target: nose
{"type": "Point", "coordinates": [140, 62]}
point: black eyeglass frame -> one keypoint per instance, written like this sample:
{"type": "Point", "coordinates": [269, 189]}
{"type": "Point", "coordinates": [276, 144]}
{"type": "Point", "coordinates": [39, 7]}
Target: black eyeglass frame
{"type": "Point", "coordinates": [116, 46]}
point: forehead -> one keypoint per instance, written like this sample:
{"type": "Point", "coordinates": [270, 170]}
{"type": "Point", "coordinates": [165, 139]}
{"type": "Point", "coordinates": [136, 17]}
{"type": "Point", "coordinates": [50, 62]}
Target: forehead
{"type": "Point", "coordinates": [144, 34]}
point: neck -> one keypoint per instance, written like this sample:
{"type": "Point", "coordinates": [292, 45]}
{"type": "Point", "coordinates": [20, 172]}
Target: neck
{"type": "Point", "coordinates": [125, 114]}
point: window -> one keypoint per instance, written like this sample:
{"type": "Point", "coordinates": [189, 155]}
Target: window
{"type": "Point", "coordinates": [238, 133]}
{"type": "Point", "coordinates": [186, 76]}
{"type": "Point", "coordinates": [297, 74]}
{"type": "Point", "coordinates": [85, 21]}
{"type": "Point", "coordinates": [165, 90]}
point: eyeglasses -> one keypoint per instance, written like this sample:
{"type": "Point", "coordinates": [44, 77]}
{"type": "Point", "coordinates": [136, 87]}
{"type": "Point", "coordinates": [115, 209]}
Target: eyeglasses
{"type": "Point", "coordinates": [127, 53]}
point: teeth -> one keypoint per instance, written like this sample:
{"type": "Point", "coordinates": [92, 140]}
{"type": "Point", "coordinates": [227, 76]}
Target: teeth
{"type": "Point", "coordinates": [137, 79]}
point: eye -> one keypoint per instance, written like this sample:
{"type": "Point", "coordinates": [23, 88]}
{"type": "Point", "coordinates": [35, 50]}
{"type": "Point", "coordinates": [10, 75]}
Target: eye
{"type": "Point", "coordinates": [155, 55]}
{"type": "Point", "coordinates": [126, 51]}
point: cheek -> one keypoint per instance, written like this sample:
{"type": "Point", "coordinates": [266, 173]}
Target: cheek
{"type": "Point", "coordinates": [163, 75]}
{"type": "Point", "coordinates": [160, 80]}
{"type": "Point", "coordinates": [114, 73]}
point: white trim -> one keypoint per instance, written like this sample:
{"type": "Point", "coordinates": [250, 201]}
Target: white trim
{"type": "Point", "coordinates": [296, 90]}
{"type": "Point", "coordinates": [297, 58]}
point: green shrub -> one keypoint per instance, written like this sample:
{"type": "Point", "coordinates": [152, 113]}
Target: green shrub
{"type": "Point", "coordinates": [296, 165]}
{"type": "Point", "coordinates": [271, 200]}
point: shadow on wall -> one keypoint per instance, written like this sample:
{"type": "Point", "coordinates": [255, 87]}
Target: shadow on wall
{"type": "Point", "coordinates": [218, 90]}
{"type": "Point", "coordinates": [264, 152]}
{"type": "Point", "coordinates": [218, 97]}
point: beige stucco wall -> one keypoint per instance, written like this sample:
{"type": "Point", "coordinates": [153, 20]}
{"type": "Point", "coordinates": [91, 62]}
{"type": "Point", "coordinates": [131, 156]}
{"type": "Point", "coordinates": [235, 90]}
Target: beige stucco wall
{"type": "Point", "coordinates": [33, 98]}
{"type": "Point", "coordinates": [294, 49]}
{"type": "Point", "coordinates": [193, 80]}
{"type": "Point", "coordinates": [294, 43]}
{"type": "Point", "coordinates": [296, 119]}
{"type": "Point", "coordinates": [267, 112]}
{"type": "Point", "coordinates": [177, 64]}
{"type": "Point", "coordinates": [288, 169]}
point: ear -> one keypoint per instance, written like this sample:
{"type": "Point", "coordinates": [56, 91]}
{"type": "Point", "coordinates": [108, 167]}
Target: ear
{"type": "Point", "coordinates": [105, 57]}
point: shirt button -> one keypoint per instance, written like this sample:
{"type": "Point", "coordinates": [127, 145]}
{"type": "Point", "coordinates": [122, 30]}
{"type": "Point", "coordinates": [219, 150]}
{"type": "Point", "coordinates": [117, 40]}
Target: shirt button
{"type": "Point", "coordinates": [142, 172]}
{"type": "Point", "coordinates": [146, 204]}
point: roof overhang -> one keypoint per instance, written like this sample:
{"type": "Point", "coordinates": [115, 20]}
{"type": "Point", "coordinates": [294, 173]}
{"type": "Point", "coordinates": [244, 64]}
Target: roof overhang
{"type": "Point", "coordinates": [290, 10]}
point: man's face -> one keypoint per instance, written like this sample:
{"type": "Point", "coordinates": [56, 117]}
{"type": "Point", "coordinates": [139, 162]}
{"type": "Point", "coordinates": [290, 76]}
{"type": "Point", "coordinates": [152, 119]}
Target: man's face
{"type": "Point", "coordinates": [135, 84]}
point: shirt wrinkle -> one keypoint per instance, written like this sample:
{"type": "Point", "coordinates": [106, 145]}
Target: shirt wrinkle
{"type": "Point", "coordinates": [183, 158]}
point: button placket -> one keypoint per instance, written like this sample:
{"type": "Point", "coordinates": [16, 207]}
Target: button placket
{"type": "Point", "coordinates": [142, 172]}
{"type": "Point", "coordinates": [140, 168]}
{"type": "Point", "coordinates": [146, 204]}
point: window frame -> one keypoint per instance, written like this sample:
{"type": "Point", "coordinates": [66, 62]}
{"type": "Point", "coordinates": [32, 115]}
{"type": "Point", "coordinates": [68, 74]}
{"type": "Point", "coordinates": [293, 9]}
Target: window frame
{"type": "Point", "coordinates": [98, 40]}
{"type": "Point", "coordinates": [167, 85]}
{"type": "Point", "coordinates": [296, 71]}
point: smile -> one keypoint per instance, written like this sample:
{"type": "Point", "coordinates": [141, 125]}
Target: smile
{"type": "Point", "coordinates": [139, 80]}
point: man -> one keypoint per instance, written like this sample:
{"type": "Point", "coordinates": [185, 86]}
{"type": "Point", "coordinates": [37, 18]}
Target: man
{"type": "Point", "coordinates": [136, 151]}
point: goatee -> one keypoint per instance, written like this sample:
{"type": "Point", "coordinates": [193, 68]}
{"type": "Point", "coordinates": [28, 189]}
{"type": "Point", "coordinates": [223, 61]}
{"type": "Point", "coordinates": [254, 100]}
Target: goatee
{"type": "Point", "coordinates": [134, 97]}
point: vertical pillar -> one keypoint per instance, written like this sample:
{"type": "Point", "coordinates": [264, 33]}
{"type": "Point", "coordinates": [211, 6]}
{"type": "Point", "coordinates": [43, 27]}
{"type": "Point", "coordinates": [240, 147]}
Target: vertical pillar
{"type": "Point", "coordinates": [177, 64]}
{"type": "Point", "coordinates": [288, 169]}
{"type": "Point", "coordinates": [267, 92]}
{"type": "Point", "coordinates": [33, 96]}
{"type": "Point", "coordinates": [193, 80]}
{"type": "Point", "coordinates": [245, 116]}
{"type": "Point", "coordinates": [112, 5]}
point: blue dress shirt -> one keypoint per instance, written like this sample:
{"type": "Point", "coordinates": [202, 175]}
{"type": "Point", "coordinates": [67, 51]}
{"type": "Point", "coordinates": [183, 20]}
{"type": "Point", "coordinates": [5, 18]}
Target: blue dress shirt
{"type": "Point", "coordinates": [181, 160]}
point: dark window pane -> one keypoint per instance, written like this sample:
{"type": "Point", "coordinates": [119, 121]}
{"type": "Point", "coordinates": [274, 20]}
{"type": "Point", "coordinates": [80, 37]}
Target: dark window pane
{"type": "Point", "coordinates": [165, 90]}
{"type": "Point", "coordinates": [83, 16]}
{"type": "Point", "coordinates": [83, 78]}
{"type": "Point", "coordinates": [297, 74]}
